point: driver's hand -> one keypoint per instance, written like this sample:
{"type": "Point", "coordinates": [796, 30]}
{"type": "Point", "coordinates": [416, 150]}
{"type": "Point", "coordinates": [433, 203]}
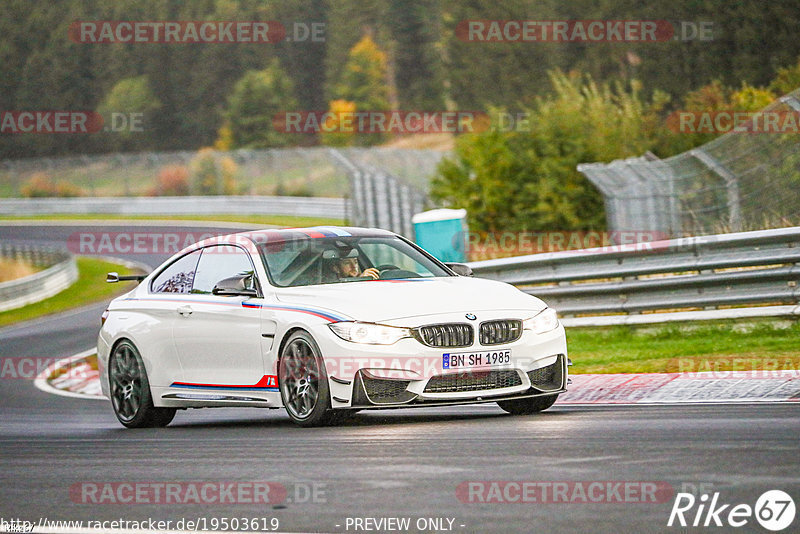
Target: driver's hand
{"type": "Point", "coordinates": [373, 272]}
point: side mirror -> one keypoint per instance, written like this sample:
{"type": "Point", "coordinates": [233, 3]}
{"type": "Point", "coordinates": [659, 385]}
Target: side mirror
{"type": "Point", "coordinates": [461, 269]}
{"type": "Point", "coordinates": [113, 278]}
{"type": "Point", "coordinates": [236, 286]}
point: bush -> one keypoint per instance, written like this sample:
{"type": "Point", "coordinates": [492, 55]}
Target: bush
{"type": "Point", "coordinates": [41, 185]}
{"type": "Point", "coordinates": [210, 177]}
{"type": "Point", "coordinates": [173, 180]}
{"type": "Point", "coordinates": [64, 188]}
{"type": "Point", "coordinates": [527, 180]}
{"type": "Point", "coordinates": [301, 190]}
{"type": "Point", "coordinates": [38, 185]}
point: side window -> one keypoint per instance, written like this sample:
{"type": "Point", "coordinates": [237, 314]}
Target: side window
{"type": "Point", "coordinates": [218, 263]}
{"type": "Point", "coordinates": [177, 277]}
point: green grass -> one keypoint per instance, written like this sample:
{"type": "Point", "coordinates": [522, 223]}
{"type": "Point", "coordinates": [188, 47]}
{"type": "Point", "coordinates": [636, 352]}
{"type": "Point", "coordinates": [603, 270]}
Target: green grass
{"type": "Point", "coordinates": [271, 220]}
{"type": "Point", "coordinates": [90, 287]}
{"type": "Point", "coordinates": [718, 346]}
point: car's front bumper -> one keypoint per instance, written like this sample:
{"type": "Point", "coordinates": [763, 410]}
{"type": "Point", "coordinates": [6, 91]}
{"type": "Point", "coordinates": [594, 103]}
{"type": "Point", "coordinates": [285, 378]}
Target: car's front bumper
{"type": "Point", "coordinates": [409, 373]}
{"type": "Point", "coordinates": [475, 386]}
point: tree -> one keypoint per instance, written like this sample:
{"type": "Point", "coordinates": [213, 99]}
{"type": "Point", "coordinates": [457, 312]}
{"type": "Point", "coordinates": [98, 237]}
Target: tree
{"type": "Point", "coordinates": [335, 130]}
{"type": "Point", "coordinates": [256, 104]}
{"type": "Point", "coordinates": [363, 83]}
{"type": "Point", "coordinates": [713, 97]}
{"type": "Point", "coordinates": [415, 26]}
{"type": "Point", "coordinates": [348, 21]}
{"type": "Point", "coordinates": [787, 80]}
{"type": "Point", "coordinates": [305, 58]}
{"type": "Point", "coordinates": [129, 96]}
{"type": "Point", "coordinates": [363, 80]}
{"type": "Point", "coordinates": [527, 180]}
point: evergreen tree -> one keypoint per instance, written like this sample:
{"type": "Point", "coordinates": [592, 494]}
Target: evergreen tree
{"type": "Point", "coordinates": [415, 26]}
{"type": "Point", "coordinates": [258, 100]}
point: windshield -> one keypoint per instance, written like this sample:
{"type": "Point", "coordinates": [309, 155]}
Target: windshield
{"type": "Point", "coordinates": [333, 260]}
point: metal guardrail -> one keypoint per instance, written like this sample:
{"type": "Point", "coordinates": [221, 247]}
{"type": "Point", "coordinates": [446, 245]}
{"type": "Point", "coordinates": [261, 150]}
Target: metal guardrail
{"type": "Point", "coordinates": [61, 272]}
{"type": "Point", "coordinates": [329, 208]}
{"type": "Point", "coordinates": [707, 272]}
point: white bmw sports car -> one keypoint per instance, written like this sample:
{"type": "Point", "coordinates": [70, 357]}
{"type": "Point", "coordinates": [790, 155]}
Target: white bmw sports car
{"type": "Point", "coordinates": [323, 322]}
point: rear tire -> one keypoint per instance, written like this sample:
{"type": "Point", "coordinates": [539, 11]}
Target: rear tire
{"type": "Point", "coordinates": [303, 382]}
{"type": "Point", "coordinates": [528, 406]}
{"type": "Point", "coordinates": [130, 390]}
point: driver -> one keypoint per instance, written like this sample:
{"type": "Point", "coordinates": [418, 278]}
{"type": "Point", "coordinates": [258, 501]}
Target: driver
{"type": "Point", "coordinates": [347, 267]}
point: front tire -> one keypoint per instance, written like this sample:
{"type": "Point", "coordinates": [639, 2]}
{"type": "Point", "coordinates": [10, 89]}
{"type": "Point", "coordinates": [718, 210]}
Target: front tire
{"type": "Point", "coordinates": [303, 382]}
{"type": "Point", "coordinates": [528, 406]}
{"type": "Point", "coordinates": [130, 390]}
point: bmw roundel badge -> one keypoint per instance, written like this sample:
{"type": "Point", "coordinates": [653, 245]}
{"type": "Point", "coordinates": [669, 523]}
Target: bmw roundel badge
{"type": "Point", "coordinates": [470, 316]}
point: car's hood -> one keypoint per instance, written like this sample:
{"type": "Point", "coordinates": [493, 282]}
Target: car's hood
{"type": "Point", "coordinates": [384, 300]}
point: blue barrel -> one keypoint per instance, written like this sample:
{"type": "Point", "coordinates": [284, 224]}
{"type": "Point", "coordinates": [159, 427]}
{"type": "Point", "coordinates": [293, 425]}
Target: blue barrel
{"type": "Point", "coordinates": [443, 233]}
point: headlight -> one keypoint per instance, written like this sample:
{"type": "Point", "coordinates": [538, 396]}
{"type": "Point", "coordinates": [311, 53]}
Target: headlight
{"type": "Point", "coordinates": [544, 321]}
{"type": "Point", "coordinates": [369, 333]}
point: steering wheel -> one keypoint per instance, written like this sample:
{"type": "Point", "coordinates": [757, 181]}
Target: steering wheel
{"type": "Point", "coordinates": [393, 272]}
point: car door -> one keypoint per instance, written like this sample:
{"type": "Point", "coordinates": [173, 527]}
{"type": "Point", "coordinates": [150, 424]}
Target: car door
{"type": "Point", "coordinates": [218, 338]}
{"type": "Point", "coordinates": [168, 292]}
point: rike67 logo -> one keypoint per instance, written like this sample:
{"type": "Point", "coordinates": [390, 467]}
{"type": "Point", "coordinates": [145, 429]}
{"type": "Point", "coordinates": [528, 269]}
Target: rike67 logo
{"type": "Point", "coordinates": [774, 510]}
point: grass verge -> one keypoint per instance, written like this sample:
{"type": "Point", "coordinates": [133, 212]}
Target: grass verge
{"type": "Point", "coordinates": [718, 346]}
{"type": "Point", "coordinates": [272, 220]}
{"type": "Point", "coordinates": [90, 287]}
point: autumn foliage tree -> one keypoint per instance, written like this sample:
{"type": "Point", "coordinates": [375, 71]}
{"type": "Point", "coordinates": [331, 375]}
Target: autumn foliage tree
{"type": "Point", "coordinates": [363, 83]}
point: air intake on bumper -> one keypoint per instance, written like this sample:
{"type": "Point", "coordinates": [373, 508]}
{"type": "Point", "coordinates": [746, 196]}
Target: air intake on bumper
{"type": "Point", "coordinates": [373, 390]}
{"type": "Point", "coordinates": [549, 378]}
{"type": "Point", "coordinates": [473, 381]}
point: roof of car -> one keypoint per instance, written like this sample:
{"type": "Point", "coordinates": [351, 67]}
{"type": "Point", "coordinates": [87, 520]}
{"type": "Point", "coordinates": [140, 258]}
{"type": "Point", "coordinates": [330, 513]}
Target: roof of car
{"type": "Point", "coordinates": [278, 235]}
{"type": "Point", "coordinates": [314, 232]}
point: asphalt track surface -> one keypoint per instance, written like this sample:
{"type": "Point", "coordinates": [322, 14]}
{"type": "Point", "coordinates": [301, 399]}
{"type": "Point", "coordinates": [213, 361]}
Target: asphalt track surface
{"type": "Point", "coordinates": [400, 463]}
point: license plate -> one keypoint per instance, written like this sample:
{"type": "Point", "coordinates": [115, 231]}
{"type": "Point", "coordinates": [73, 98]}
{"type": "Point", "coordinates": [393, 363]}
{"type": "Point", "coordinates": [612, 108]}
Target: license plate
{"type": "Point", "coordinates": [460, 360]}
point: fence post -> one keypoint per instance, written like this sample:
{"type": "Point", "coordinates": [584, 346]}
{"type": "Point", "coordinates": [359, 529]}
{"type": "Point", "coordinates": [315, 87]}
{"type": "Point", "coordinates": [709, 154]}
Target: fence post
{"type": "Point", "coordinates": [731, 186]}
